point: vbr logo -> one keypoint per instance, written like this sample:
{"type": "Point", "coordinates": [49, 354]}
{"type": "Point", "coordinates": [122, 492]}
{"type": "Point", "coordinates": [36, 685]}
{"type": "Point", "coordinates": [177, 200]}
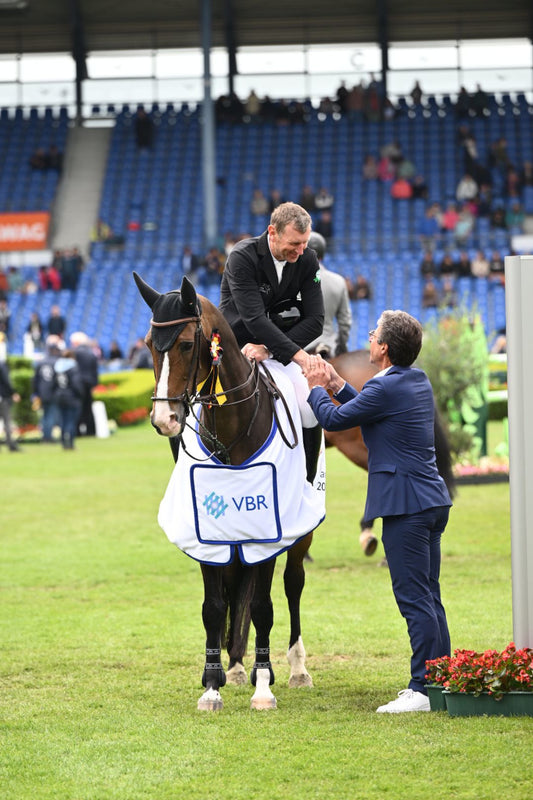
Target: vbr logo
{"type": "Point", "coordinates": [250, 502]}
{"type": "Point", "coordinates": [215, 505]}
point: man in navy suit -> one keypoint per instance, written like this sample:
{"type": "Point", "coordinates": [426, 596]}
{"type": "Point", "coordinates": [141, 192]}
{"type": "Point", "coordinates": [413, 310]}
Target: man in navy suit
{"type": "Point", "coordinates": [395, 410]}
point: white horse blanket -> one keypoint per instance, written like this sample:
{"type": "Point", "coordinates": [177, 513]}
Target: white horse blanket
{"type": "Point", "coordinates": [259, 508]}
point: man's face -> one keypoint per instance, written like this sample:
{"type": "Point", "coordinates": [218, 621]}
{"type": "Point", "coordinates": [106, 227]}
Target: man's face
{"type": "Point", "coordinates": [288, 245]}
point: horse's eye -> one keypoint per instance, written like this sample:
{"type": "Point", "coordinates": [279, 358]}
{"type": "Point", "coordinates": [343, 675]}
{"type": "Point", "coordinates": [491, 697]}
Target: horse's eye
{"type": "Point", "coordinates": [186, 346]}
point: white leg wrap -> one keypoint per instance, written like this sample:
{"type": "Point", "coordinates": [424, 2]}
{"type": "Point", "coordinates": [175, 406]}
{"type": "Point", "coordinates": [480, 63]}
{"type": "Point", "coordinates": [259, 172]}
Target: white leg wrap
{"type": "Point", "coordinates": [263, 698]}
{"type": "Point", "coordinates": [296, 657]}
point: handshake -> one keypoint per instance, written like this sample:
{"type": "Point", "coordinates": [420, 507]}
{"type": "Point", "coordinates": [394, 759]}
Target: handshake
{"type": "Point", "coordinates": [321, 373]}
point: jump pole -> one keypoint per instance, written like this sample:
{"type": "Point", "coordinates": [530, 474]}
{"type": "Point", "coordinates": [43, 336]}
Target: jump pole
{"type": "Point", "coordinates": [519, 328]}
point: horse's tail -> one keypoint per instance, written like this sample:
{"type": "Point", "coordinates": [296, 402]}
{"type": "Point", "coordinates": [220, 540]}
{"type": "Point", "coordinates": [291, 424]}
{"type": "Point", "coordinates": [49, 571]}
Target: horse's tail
{"type": "Point", "coordinates": [237, 623]}
{"type": "Point", "coordinates": [443, 454]}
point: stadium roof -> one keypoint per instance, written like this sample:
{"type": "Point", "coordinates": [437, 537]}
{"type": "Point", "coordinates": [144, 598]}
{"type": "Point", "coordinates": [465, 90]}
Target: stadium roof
{"type": "Point", "coordinates": [41, 26]}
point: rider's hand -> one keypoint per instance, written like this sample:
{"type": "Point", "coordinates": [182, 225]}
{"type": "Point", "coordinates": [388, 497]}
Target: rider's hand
{"type": "Point", "coordinates": [255, 352]}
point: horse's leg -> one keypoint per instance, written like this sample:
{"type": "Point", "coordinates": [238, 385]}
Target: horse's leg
{"type": "Point", "coordinates": [239, 591]}
{"type": "Point", "coordinates": [213, 615]}
{"type": "Point", "coordinates": [294, 581]}
{"type": "Point", "coordinates": [262, 676]}
{"type": "Point", "coordinates": [351, 444]}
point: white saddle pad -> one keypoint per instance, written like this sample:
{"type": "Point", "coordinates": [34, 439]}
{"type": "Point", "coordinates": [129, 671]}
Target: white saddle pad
{"type": "Point", "coordinates": [259, 508]}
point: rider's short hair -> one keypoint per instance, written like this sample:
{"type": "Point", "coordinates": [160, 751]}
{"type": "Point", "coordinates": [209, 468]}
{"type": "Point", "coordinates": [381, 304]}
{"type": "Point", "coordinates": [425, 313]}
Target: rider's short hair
{"type": "Point", "coordinates": [290, 214]}
{"type": "Point", "coordinates": [403, 335]}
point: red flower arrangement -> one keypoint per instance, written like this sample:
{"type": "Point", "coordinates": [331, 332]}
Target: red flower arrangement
{"type": "Point", "coordinates": [132, 416]}
{"type": "Point", "coordinates": [493, 672]}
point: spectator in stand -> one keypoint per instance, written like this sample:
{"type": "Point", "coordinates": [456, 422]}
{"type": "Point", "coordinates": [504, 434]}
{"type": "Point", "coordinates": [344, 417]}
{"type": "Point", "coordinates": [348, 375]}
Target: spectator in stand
{"type": "Point", "coordinates": [416, 94]}
{"type": "Point", "coordinates": [39, 159]}
{"type": "Point", "coordinates": [515, 217]}
{"type": "Point", "coordinates": [88, 366]}
{"type": "Point", "coordinates": [72, 265]}
{"type": "Point", "coordinates": [355, 101]}
{"type": "Point", "coordinates": [139, 355]}
{"type": "Point", "coordinates": [324, 200]}
{"type": "Point", "coordinates": [526, 174]}
{"type": "Point", "coordinates": [406, 169]}
{"type": "Point", "coordinates": [8, 396]}
{"type": "Point", "coordinates": [214, 265]}
{"type": "Point", "coordinates": [386, 170]}
{"type": "Point", "coordinates": [324, 226]}
{"type": "Point", "coordinates": [15, 281]}
{"type": "Point", "coordinates": [360, 290]}
{"type": "Point", "coordinates": [499, 156]}
{"type": "Point", "coordinates": [115, 351]}
{"type": "Point", "coordinates": [190, 263]}
{"type": "Point", "coordinates": [513, 184]}
{"type": "Point", "coordinates": [401, 189]}
{"type": "Point", "coordinates": [497, 218]}
{"type": "Point", "coordinates": [276, 199]}
{"type": "Point", "coordinates": [430, 294]}
{"type": "Point", "coordinates": [428, 266]}
{"type": "Point", "coordinates": [307, 198]}
{"type": "Point", "coordinates": [56, 324]}
{"type": "Point", "coordinates": [55, 158]}
{"type": "Point", "coordinates": [480, 266]}
{"type": "Point", "coordinates": [420, 189]}
{"type": "Point", "coordinates": [144, 129]}
{"type": "Point", "coordinates": [462, 105]}
{"type": "Point", "coordinates": [484, 199]}
{"type": "Point", "coordinates": [35, 330]}
{"type": "Point", "coordinates": [370, 168]}
{"type": "Point", "coordinates": [450, 217]}
{"type": "Point", "coordinates": [448, 267]}
{"type": "Point", "coordinates": [467, 189]}
{"type": "Point", "coordinates": [465, 226]}
{"type": "Point", "coordinates": [500, 342]}
{"type": "Point", "coordinates": [429, 227]}
{"type": "Point", "coordinates": [448, 296]}
{"type": "Point", "coordinates": [259, 205]}
{"type": "Point", "coordinates": [102, 232]}
{"type": "Point", "coordinates": [49, 278]}
{"type": "Point", "coordinates": [497, 268]}
{"type": "Point", "coordinates": [252, 106]}
{"type": "Point", "coordinates": [464, 267]}
{"type": "Point", "coordinates": [479, 102]}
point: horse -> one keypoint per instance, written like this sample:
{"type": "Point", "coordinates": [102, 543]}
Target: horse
{"type": "Point", "coordinates": [354, 366]}
{"type": "Point", "coordinates": [200, 370]}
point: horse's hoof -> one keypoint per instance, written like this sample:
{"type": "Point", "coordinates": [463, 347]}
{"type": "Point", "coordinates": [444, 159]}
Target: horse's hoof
{"type": "Point", "coordinates": [263, 703]}
{"type": "Point", "coordinates": [210, 701]}
{"type": "Point", "coordinates": [368, 542]}
{"type": "Point", "coordinates": [237, 675]}
{"type": "Point", "coordinates": [299, 681]}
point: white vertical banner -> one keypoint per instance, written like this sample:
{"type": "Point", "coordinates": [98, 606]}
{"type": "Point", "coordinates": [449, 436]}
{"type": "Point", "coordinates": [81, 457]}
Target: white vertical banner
{"type": "Point", "coordinates": [519, 315]}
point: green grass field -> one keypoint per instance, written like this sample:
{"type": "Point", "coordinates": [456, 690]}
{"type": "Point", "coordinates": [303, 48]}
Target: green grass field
{"type": "Point", "coordinates": [103, 649]}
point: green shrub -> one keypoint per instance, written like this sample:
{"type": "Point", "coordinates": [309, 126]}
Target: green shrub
{"type": "Point", "coordinates": [21, 375]}
{"type": "Point", "coordinates": [455, 357]}
{"type": "Point", "coordinates": [126, 395]}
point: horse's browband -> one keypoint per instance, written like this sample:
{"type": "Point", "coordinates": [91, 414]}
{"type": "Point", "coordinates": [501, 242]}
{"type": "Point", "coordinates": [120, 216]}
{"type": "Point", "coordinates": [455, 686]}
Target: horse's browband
{"type": "Point", "coordinates": [173, 322]}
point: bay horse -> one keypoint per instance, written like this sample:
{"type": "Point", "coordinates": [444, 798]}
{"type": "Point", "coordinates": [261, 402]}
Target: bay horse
{"type": "Point", "coordinates": [195, 354]}
{"type": "Point", "coordinates": [356, 369]}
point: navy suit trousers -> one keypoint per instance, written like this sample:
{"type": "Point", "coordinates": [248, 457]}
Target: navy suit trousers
{"type": "Point", "coordinates": [412, 548]}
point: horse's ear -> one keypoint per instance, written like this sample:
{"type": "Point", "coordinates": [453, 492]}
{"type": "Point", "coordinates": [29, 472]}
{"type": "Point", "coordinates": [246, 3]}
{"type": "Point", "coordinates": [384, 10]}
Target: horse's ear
{"type": "Point", "coordinates": [188, 296]}
{"type": "Point", "coordinates": [149, 295]}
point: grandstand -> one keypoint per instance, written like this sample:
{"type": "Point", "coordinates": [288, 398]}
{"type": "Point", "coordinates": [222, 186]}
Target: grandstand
{"type": "Point", "coordinates": [154, 198]}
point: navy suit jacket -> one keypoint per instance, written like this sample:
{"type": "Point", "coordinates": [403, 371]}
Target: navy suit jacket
{"type": "Point", "coordinates": [250, 292]}
{"type": "Point", "coordinates": [396, 414]}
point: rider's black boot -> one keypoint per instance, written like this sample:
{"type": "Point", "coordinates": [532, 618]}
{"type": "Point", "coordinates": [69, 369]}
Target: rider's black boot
{"type": "Point", "coordinates": [312, 439]}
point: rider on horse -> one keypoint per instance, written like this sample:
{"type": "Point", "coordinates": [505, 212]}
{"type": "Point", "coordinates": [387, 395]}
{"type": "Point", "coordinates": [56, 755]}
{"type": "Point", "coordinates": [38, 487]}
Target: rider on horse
{"type": "Point", "coordinates": [271, 296]}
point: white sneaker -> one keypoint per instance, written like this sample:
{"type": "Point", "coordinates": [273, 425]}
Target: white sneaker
{"type": "Point", "coordinates": [407, 700]}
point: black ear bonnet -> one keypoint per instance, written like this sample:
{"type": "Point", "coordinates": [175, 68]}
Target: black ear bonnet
{"type": "Point", "coordinates": [169, 308]}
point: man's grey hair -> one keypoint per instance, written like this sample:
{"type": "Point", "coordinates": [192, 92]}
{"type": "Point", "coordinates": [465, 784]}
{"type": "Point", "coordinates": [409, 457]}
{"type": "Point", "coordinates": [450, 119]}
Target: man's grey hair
{"type": "Point", "coordinates": [403, 335]}
{"type": "Point", "coordinates": [290, 214]}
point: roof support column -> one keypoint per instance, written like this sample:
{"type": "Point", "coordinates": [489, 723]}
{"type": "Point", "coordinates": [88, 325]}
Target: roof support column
{"type": "Point", "coordinates": [208, 135]}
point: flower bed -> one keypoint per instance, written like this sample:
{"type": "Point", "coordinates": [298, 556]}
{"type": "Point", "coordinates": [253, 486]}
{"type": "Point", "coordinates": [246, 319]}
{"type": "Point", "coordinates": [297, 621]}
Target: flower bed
{"type": "Point", "coordinates": [496, 673]}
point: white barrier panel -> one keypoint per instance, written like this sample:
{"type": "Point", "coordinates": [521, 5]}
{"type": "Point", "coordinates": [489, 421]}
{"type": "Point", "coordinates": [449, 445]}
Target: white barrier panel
{"type": "Point", "coordinates": [518, 300]}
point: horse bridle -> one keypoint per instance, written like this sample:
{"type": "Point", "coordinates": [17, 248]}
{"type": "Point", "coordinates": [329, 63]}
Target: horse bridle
{"type": "Point", "coordinates": [195, 397]}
